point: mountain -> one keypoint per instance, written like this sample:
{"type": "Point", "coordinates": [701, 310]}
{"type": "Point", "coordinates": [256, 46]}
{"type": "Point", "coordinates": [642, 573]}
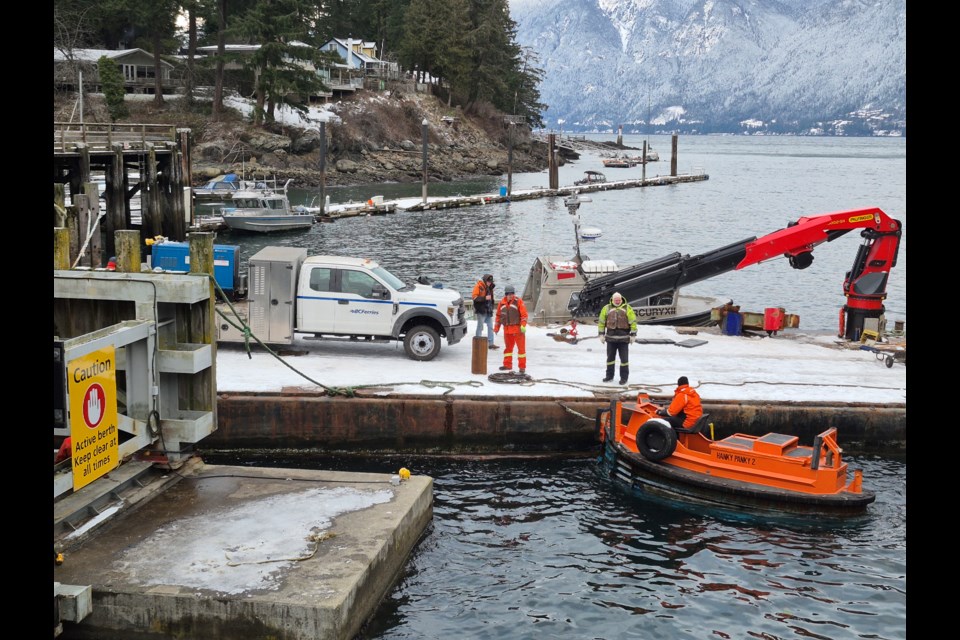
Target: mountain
{"type": "Point", "coordinates": [806, 67]}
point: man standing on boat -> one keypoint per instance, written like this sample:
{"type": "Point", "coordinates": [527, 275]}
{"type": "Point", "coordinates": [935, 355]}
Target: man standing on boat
{"type": "Point", "coordinates": [512, 314]}
{"type": "Point", "coordinates": [483, 307]}
{"type": "Point", "coordinates": [617, 328]}
{"type": "Point", "coordinates": [685, 408]}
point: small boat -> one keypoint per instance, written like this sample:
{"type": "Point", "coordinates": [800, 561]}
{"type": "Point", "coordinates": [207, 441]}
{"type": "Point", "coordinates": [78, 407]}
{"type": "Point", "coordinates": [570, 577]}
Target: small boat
{"type": "Point", "coordinates": [591, 177]}
{"type": "Point", "coordinates": [770, 475]}
{"type": "Point", "coordinates": [264, 210]}
{"type": "Point", "coordinates": [220, 189]}
{"type": "Point", "coordinates": [619, 162]}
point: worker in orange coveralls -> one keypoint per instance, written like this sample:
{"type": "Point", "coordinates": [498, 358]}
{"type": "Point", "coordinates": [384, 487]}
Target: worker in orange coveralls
{"type": "Point", "coordinates": [512, 314]}
{"type": "Point", "coordinates": [685, 408]}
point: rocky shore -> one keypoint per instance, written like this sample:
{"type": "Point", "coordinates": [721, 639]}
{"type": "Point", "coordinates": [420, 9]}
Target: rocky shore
{"type": "Point", "coordinates": [376, 138]}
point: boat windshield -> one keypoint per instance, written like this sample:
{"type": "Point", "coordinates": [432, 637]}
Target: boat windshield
{"type": "Point", "coordinates": [392, 280]}
{"type": "Point", "coordinates": [274, 204]}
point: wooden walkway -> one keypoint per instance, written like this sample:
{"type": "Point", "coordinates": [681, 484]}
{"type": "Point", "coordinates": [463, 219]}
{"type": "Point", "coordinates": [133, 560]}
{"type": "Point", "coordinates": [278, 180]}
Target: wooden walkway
{"type": "Point", "coordinates": [562, 192]}
{"type": "Point", "coordinates": [456, 202]}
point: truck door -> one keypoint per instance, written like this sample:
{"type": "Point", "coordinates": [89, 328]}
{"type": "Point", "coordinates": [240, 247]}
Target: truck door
{"type": "Point", "coordinates": [317, 300]}
{"type": "Point", "coordinates": [364, 307]}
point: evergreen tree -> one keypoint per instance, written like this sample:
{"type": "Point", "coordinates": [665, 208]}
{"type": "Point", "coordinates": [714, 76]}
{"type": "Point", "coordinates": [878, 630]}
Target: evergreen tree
{"type": "Point", "coordinates": [111, 79]}
{"type": "Point", "coordinates": [279, 75]}
{"type": "Point", "coordinates": [525, 83]}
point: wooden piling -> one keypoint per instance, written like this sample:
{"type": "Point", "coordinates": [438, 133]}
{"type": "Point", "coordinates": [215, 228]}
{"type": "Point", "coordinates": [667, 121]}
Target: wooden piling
{"type": "Point", "coordinates": [202, 326]}
{"type": "Point", "coordinates": [673, 155]}
{"type": "Point", "coordinates": [127, 245]}
{"type": "Point", "coordinates": [478, 362]}
{"type": "Point", "coordinates": [61, 247]}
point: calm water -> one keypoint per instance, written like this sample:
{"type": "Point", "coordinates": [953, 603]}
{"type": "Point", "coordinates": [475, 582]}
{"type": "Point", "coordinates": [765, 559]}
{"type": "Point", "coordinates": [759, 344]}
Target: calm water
{"type": "Point", "coordinates": [522, 549]}
{"type": "Point", "coordinates": [756, 186]}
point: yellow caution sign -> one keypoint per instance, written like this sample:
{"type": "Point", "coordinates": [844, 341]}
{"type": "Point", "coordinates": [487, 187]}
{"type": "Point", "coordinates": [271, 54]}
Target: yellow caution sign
{"type": "Point", "coordinates": [92, 388]}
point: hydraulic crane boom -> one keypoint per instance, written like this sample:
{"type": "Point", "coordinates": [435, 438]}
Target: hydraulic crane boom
{"type": "Point", "coordinates": [864, 285]}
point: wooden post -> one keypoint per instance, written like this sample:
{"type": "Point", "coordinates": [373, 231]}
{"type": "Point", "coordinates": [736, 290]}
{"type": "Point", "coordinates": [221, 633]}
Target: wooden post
{"type": "Point", "coordinates": [478, 362]}
{"type": "Point", "coordinates": [202, 325]}
{"type": "Point", "coordinates": [59, 205]}
{"type": "Point", "coordinates": [116, 203]}
{"type": "Point", "coordinates": [174, 191]}
{"type": "Point", "coordinates": [323, 169]}
{"type": "Point", "coordinates": [61, 247]}
{"type": "Point", "coordinates": [95, 245]}
{"type": "Point", "coordinates": [127, 245]}
{"type": "Point", "coordinates": [73, 229]}
{"type": "Point", "coordinates": [150, 211]}
{"type": "Point", "coordinates": [553, 175]}
{"type": "Point", "coordinates": [184, 138]}
{"type": "Point", "coordinates": [673, 155]}
{"type": "Point", "coordinates": [643, 173]}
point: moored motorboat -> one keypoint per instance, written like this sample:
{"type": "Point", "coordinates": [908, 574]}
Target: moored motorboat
{"type": "Point", "coordinates": [264, 210]}
{"type": "Point", "coordinates": [219, 189]}
{"type": "Point", "coordinates": [555, 283]}
{"type": "Point", "coordinates": [591, 177]}
{"type": "Point", "coordinates": [770, 475]}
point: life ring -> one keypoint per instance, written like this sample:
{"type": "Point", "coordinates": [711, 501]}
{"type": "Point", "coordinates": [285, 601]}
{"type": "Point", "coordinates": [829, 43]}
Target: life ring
{"type": "Point", "coordinates": [656, 439]}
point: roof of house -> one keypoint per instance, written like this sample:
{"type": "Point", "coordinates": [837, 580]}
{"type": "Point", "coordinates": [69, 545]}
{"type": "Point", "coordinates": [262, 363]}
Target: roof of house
{"type": "Point", "coordinates": [92, 55]}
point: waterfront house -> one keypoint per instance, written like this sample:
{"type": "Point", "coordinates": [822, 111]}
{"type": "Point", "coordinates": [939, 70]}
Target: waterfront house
{"type": "Point", "coordinates": [138, 68]}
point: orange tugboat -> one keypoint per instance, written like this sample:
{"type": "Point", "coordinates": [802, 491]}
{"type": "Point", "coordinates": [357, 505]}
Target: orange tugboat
{"type": "Point", "coordinates": [770, 475]}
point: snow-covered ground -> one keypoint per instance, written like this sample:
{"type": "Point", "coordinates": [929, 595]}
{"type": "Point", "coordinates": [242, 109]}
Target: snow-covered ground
{"type": "Point", "coordinates": [787, 367]}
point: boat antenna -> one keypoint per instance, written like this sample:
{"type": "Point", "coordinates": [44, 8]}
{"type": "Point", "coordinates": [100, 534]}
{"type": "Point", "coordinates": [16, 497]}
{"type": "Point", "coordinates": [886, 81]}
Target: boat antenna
{"type": "Point", "coordinates": [573, 203]}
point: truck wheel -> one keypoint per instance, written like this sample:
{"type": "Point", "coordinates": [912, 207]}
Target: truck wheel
{"type": "Point", "coordinates": [422, 343]}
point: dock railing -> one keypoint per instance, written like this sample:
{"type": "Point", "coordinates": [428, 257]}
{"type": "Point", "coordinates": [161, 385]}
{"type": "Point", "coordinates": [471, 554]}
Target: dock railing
{"type": "Point", "coordinates": [103, 136]}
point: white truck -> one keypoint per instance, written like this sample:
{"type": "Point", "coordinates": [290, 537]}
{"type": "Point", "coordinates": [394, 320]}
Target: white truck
{"type": "Point", "coordinates": [289, 293]}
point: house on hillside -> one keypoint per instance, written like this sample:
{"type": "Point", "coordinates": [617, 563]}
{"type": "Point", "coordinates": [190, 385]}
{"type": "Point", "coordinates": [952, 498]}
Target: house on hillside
{"type": "Point", "coordinates": [341, 78]}
{"type": "Point", "coordinates": [362, 55]}
{"type": "Point", "coordinates": [137, 66]}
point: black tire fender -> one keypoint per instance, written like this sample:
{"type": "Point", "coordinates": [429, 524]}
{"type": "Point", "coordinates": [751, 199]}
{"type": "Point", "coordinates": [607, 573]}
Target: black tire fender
{"type": "Point", "coordinates": [656, 439]}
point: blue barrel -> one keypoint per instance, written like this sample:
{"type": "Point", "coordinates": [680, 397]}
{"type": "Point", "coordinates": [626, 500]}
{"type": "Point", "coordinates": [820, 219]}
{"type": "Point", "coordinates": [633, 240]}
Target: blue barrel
{"type": "Point", "coordinates": [503, 192]}
{"type": "Point", "coordinates": [732, 324]}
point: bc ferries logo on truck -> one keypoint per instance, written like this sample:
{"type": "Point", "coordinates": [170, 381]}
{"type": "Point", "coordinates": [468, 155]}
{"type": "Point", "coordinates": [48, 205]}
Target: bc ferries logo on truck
{"type": "Point", "coordinates": [365, 312]}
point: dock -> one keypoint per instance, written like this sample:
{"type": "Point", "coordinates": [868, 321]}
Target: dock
{"type": "Point", "coordinates": [212, 551]}
{"type": "Point", "coordinates": [336, 212]}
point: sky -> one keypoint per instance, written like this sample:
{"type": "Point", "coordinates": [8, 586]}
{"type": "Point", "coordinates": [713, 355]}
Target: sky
{"type": "Point", "coordinates": [790, 366]}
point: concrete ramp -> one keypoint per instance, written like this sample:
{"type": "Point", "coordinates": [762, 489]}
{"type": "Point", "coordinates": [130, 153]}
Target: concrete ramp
{"type": "Point", "coordinates": [237, 552]}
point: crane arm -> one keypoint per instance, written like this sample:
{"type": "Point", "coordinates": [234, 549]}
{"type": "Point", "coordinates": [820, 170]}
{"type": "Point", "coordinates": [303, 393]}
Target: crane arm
{"type": "Point", "coordinates": [864, 286]}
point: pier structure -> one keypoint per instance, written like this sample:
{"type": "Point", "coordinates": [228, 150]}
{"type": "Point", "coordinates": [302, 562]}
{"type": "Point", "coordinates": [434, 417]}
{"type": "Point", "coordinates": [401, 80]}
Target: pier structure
{"type": "Point", "coordinates": [100, 168]}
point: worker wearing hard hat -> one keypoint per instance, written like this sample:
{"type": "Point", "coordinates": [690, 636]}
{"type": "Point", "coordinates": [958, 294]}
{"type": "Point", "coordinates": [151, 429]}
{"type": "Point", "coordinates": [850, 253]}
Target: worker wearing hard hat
{"type": "Point", "coordinates": [617, 327]}
{"type": "Point", "coordinates": [512, 315]}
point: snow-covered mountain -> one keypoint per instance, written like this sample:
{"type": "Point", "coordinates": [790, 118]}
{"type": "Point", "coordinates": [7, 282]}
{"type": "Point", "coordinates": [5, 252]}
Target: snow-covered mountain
{"type": "Point", "coordinates": [814, 67]}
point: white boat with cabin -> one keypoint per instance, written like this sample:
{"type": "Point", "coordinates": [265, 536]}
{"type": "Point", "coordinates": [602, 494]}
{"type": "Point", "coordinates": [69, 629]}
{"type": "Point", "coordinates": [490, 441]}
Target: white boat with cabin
{"type": "Point", "coordinates": [264, 210]}
{"type": "Point", "coordinates": [557, 287]}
